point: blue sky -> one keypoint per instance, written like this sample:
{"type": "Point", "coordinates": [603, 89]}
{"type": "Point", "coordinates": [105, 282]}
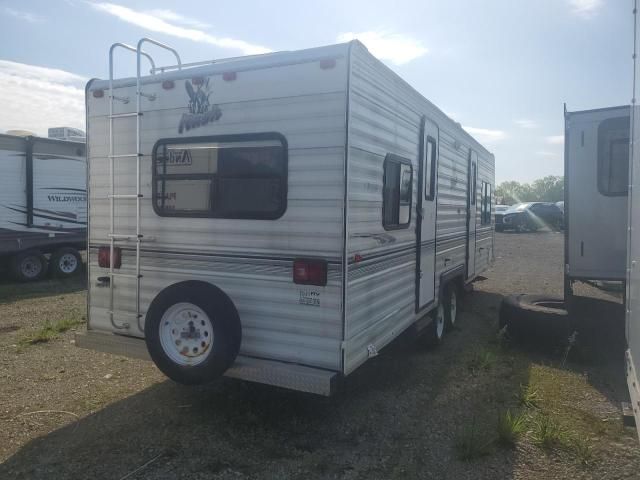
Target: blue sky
{"type": "Point", "coordinates": [502, 68]}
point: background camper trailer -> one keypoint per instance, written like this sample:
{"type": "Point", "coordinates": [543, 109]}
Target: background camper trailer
{"type": "Point", "coordinates": [596, 194]}
{"type": "Point", "coordinates": [43, 204]}
{"type": "Point", "coordinates": [277, 218]}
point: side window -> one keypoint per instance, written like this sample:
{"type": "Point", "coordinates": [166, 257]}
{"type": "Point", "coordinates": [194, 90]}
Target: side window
{"type": "Point", "coordinates": [430, 169]}
{"type": "Point", "coordinates": [485, 207]}
{"type": "Point", "coordinates": [613, 156]}
{"type": "Point", "coordinates": [232, 176]}
{"type": "Point", "coordinates": [397, 192]}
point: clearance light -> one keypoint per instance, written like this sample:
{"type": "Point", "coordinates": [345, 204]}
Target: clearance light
{"type": "Point", "coordinates": [310, 272]}
{"type": "Point", "coordinates": [229, 76]}
{"type": "Point", "coordinates": [168, 84]}
{"type": "Point", "coordinates": [327, 63]}
{"type": "Point", "coordinates": [104, 257]}
{"type": "Point", "coordinates": [98, 93]}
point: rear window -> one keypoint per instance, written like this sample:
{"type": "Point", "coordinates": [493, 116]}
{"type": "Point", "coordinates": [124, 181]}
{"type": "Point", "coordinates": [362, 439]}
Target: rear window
{"type": "Point", "coordinates": [231, 176]}
{"type": "Point", "coordinates": [613, 156]}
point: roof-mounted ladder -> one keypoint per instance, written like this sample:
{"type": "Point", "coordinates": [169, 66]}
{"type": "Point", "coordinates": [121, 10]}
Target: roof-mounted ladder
{"type": "Point", "coordinates": [114, 236]}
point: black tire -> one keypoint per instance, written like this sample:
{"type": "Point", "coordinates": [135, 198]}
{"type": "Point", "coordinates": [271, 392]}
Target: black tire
{"type": "Point", "coordinates": [65, 262]}
{"type": "Point", "coordinates": [451, 303]}
{"type": "Point", "coordinates": [434, 332]}
{"type": "Point", "coordinates": [537, 317]}
{"type": "Point", "coordinates": [223, 318]}
{"type": "Point", "coordinates": [28, 266]}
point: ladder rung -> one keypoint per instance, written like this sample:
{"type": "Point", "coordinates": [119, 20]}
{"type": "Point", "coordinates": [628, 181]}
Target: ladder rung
{"type": "Point", "coordinates": [125, 275]}
{"type": "Point", "coordinates": [124, 115]}
{"type": "Point", "coordinates": [133, 314]}
{"type": "Point", "coordinates": [124, 236]}
{"type": "Point", "coordinates": [126, 155]}
{"type": "Point", "coordinates": [120, 196]}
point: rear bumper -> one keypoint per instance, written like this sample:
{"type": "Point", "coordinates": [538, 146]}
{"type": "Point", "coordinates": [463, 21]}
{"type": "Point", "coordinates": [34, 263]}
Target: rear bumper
{"type": "Point", "coordinates": [270, 372]}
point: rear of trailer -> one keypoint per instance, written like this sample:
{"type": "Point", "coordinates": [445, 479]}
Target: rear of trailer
{"type": "Point", "coordinates": [276, 218]}
{"type": "Point", "coordinates": [43, 201]}
{"type": "Point", "coordinates": [596, 194]}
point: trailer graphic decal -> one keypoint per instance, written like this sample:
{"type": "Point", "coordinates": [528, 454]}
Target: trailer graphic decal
{"type": "Point", "coordinates": [201, 112]}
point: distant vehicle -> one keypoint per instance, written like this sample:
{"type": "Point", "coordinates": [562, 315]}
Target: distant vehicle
{"type": "Point", "coordinates": [560, 205]}
{"type": "Point", "coordinates": [43, 206]}
{"type": "Point", "coordinates": [530, 216]}
{"type": "Point", "coordinates": [499, 213]}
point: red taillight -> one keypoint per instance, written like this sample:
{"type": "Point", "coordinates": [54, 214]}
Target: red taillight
{"type": "Point", "coordinates": [98, 93]}
{"type": "Point", "coordinates": [310, 272]}
{"type": "Point", "coordinates": [104, 257]}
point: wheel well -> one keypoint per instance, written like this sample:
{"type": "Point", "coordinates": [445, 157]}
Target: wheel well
{"type": "Point", "coordinates": [455, 276]}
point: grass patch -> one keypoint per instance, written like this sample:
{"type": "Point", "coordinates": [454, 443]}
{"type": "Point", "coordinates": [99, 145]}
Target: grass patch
{"type": "Point", "coordinates": [548, 433]}
{"type": "Point", "coordinates": [482, 361]}
{"type": "Point", "coordinates": [510, 427]}
{"type": "Point", "coordinates": [49, 331]}
{"type": "Point", "coordinates": [583, 450]}
{"type": "Point", "coordinates": [528, 396]}
{"type": "Point", "coordinates": [471, 443]}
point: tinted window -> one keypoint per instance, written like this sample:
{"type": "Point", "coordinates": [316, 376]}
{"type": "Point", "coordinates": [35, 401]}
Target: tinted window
{"type": "Point", "coordinates": [430, 169]}
{"type": "Point", "coordinates": [235, 176]}
{"type": "Point", "coordinates": [397, 192]}
{"type": "Point", "coordinates": [613, 156]}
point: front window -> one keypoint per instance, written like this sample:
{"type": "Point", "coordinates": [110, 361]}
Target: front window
{"type": "Point", "coordinates": [397, 192]}
{"type": "Point", "coordinates": [231, 176]}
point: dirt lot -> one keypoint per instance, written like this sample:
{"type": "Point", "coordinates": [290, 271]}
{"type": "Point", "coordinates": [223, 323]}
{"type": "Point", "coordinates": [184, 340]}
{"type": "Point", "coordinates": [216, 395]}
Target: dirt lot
{"type": "Point", "coordinates": [409, 413]}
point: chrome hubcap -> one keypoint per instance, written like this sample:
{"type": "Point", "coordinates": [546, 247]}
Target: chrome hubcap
{"type": "Point", "coordinates": [31, 267]}
{"type": "Point", "coordinates": [68, 263]}
{"type": "Point", "coordinates": [439, 321]}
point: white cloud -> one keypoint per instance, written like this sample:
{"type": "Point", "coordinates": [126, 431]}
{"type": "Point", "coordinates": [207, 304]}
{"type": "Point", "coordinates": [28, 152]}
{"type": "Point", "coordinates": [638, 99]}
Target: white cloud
{"type": "Point", "coordinates": [526, 123]}
{"type": "Point", "coordinates": [486, 135]}
{"type": "Point", "coordinates": [394, 47]}
{"type": "Point", "coordinates": [555, 140]}
{"type": "Point", "coordinates": [171, 16]}
{"type": "Point", "coordinates": [36, 98]}
{"type": "Point", "coordinates": [585, 8]}
{"type": "Point", "coordinates": [160, 24]}
{"type": "Point", "coordinates": [26, 16]}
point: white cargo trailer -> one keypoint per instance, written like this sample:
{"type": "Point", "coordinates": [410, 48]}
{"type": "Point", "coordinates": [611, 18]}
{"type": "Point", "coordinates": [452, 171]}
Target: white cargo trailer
{"type": "Point", "coordinates": [596, 184]}
{"type": "Point", "coordinates": [43, 206]}
{"type": "Point", "coordinates": [277, 218]}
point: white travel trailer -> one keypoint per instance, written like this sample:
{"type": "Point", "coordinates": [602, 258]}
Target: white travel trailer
{"type": "Point", "coordinates": [596, 183]}
{"type": "Point", "coordinates": [277, 218]}
{"type": "Point", "coordinates": [43, 206]}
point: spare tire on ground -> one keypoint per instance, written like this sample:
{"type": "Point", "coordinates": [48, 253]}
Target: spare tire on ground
{"type": "Point", "coordinates": [535, 317]}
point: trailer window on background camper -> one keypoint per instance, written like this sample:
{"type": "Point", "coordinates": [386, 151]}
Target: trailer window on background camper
{"type": "Point", "coordinates": [397, 192]}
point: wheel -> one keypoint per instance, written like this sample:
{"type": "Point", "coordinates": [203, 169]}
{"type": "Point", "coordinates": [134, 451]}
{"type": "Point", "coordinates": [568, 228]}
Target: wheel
{"type": "Point", "coordinates": [65, 262]}
{"type": "Point", "coordinates": [193, 332]}
{"type": "Point", "coordinates": [28, 266]}
{"type": "Point", "coordinates": [450, 301]}
{"type": "Point", "coordinates": [535, 317]}
{"type": "Point", "coordinates": [435, 331]}
{"type": "Point", "coordinates": [520, 226]}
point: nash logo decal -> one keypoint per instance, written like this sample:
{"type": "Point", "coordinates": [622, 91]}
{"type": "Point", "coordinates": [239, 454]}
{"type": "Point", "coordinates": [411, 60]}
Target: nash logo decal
{"type": "Point", "coordinates": [201, 111]}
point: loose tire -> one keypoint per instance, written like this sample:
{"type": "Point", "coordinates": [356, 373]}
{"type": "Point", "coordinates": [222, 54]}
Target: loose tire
{"type": "Point", "coordinates": [451, 304]}
{"type": "Point", "coordinates": [534, 317]}
{"type": "Point", "coordinates": [28, 266]}
{"type": "Point", "coordinates": [65, 262]}
{"type": "Point", "coordinates": [193, 332]}
{"type": "Point", "coordinates": [434, 333]}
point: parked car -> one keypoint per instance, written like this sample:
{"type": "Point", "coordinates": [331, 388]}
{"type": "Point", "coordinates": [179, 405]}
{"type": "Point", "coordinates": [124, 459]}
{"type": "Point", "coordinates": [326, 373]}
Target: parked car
{"type": "Point", "coordinates": [499, 213]}
{"type": "Point", "coordinates": [531, 216]}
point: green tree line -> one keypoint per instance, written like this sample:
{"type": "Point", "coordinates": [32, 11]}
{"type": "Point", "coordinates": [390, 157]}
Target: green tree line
{"type": "Point", "coordinates": [547, 189]}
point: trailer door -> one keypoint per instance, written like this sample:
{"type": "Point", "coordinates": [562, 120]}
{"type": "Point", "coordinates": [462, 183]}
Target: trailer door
{"type": "Point", "coordinates": [472, 178]}
{"type": "Point", "coordinates": [426, 231]}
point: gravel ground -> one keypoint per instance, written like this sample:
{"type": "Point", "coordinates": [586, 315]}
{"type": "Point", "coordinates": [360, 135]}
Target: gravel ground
{"type": "Point", "coordinates": [68, 413]}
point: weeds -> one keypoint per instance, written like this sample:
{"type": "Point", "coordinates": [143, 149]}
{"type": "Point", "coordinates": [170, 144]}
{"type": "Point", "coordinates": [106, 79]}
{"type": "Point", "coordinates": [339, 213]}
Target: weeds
{"type": "Point", "coordinates": [510, 427]}
{"type": "Point", "coordinates": [583, 450]}
{"type": "Point", "coordinates": [470, 443]}
{"type": "Point", "coordinates": [49, 331]}
{"type": "Point", "coordinates": [528, 397]}
{"type": "Point", "coordinates": [484, 360]}
{"type": "Point", "coordinates": [548, 433]}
